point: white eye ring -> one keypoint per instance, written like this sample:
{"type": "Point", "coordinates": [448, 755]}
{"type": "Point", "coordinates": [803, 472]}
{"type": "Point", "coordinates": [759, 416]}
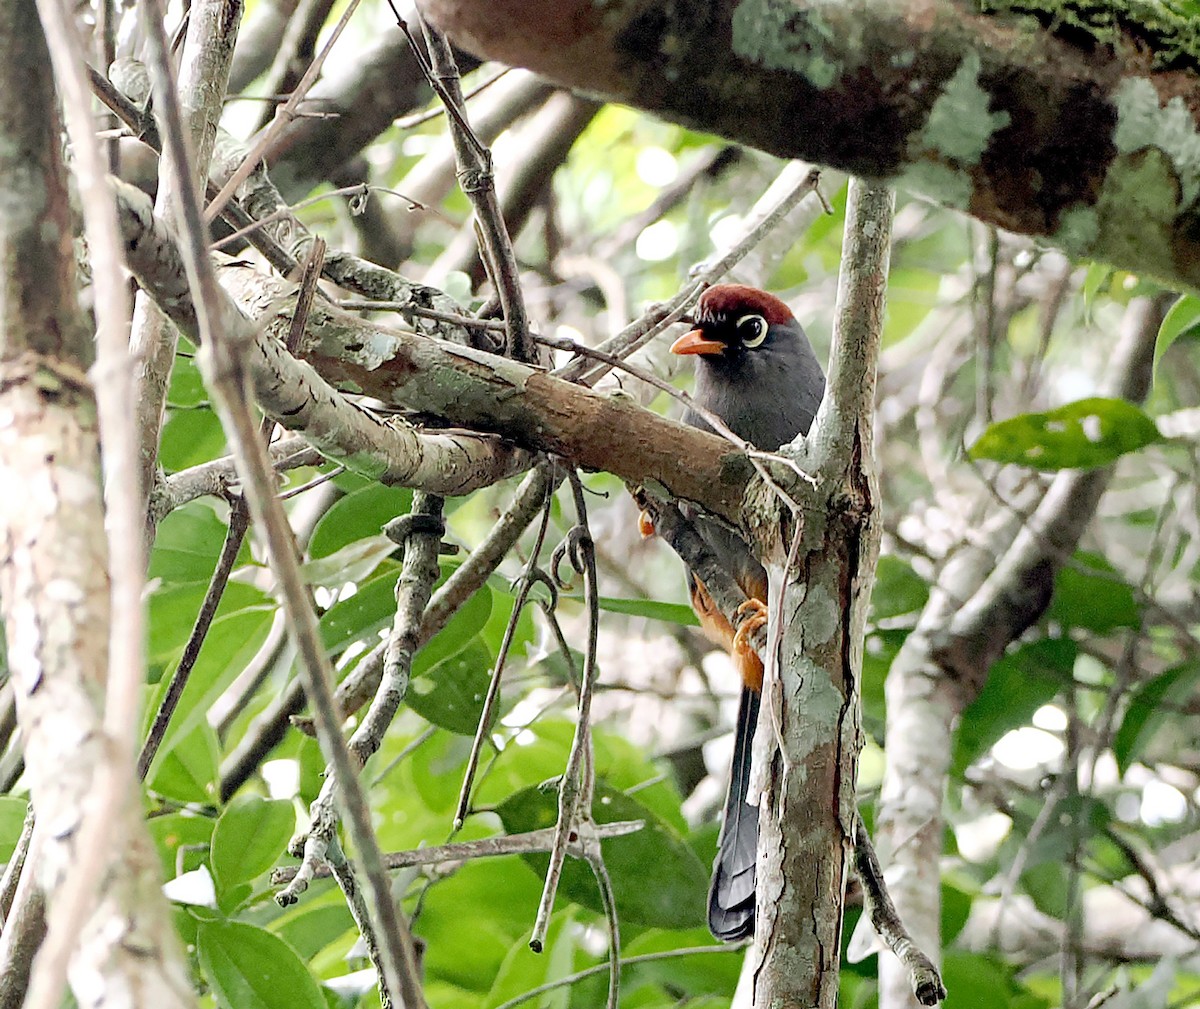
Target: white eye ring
{"type": "Point", "coordinates": [756, 325]}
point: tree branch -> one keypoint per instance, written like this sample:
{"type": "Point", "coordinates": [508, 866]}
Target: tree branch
{"type": "Point", "coordinates": [1048, 132]}
{"type": "Point", "coordinates": [820, 564]}
{"type": "Point", "coordinates": [73, 633]}
{"type": "Point", "coordinates": [516, 401]}
{"type": "Point", "coordinates": [296, 397]}
{"type": "Point", "coordinates": [478, 184]}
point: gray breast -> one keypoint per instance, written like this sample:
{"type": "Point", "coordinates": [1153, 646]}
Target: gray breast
{"type": "Point", "coordinates": [765, 396]}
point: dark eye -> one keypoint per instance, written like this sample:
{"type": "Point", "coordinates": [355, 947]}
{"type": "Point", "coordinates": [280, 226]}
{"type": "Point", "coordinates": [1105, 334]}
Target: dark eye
{"type": "Point", "coordinates": [751, 330]}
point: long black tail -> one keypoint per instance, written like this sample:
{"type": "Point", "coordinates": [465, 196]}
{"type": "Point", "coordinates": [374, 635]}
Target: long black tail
{"type": "Point", "coordinates": [731, 895]}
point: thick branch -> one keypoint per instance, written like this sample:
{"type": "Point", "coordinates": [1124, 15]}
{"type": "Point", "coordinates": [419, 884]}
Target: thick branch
{"type": "Point", "coordinates": [489, 393]}
{"type": "Point", "coordinates": [821, 564]}
{"type": "Point", "coordinates": [1030, 129]}
{"type": "Point", "coordinates": [295, 396]}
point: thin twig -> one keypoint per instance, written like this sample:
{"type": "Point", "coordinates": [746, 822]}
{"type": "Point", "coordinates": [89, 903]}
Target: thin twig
{"type": "Point", "coordinates": [239, 522]}
{"type": "Point", "coordinates": [708, 164]}
{"type": "Point", "coordinates": [16, 863]}
{"type": "Point", "coordinates": [582, 975]}
{"type": "Point", "coordinates": [226, 375]}
{"type": "Point", "coordinates": [477, 182]}
{"type": "Point", "coordinates": [418, 573]}
{"type": "Point", "coordinates": [410, 122]}
{"type": "Point", "coordinates": [283, 117]}
{"type": "Point", "coordinates": [215, 478]}
{"type": "Point", "coordinates": [413, 589]}
{"type": "Point", "coordinates": [296, 46]}
{"type": "Point", "coordinates": [317, 481]}
{"type": "Point", "coordinates": [347, 881]}
{"type": "Point", "coordinates": [465, 851]}
{"type": "Point", "coordinates": [783, 195]}
{"type": "Point", "coordinates": [23, 936]}
{"type": "Point", "coordinates": [362, 682]}
{"type": "Point", "coordinates": [359, 190]}
{"type": "Point", "coordinates": [986, 333]}
{"type": "Point", "coordinates": [577, 784]}
{"type": "Point", "coordinates": [528, 578]}
{"type": "Point", "coordinates": [608, 898]}
{"type": "Point", "coordinates": [141, 123]}
{"type": "Point", "coordinates": [923, 974]}
{"type": "Point", "coordinates": [143, 127]}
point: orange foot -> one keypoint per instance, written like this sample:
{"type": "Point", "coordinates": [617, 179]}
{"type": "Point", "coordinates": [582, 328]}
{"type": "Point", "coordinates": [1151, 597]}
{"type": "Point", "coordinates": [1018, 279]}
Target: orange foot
{"type": "Point", "coordinates": [745, 658]}
{"type": "Point", "coordinates": [645, 525]}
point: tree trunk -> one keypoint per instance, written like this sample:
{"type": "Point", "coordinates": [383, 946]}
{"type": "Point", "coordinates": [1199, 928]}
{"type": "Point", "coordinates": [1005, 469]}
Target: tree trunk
{"type": "Point", "coordinates": [54, 584]}
{"type": "Point", "coordinates": [821, 565]}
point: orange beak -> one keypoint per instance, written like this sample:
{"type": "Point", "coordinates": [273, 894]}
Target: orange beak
{"type": "Point", "coordinates": [696, 343]}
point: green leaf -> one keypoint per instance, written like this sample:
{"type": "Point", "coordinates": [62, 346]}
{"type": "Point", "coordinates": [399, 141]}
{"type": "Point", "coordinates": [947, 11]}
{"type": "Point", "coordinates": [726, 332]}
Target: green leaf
{"type": "Point", "coordinates": [510, 894]}
{"type": "Point", "coordinates": [879, 652]}
{"type": "Point", "coordinates": [363, 614]}
{"type": "Point", "coordinates": [358, 515]}
{"type": "Point", "coordinates": [187, 387]}
{"type": "Point", "coordinates": [314, 923]}
{"type": "Point", "coordinates": [249, 838]}
{"type": "Point", "coordinates": [1081, 435]}
{"type": "Point", "coordinates": [190, 437]}
{"type": "Point", "coordinates": [651, 609]}
{"type": "Point", "coordinates": [692, 975]}
{"type": "Point", "coordinates": [232, 641]}
{"type": "Point", "coordinates": [1074, 819]}
{"type": "Point", "coordinates": [1100, 602]}
{"type": "Point", "coordinates": [354, 562]}
{"type": "Point", "coordinates": [472, 617]}
{"type": "Point", "coordinates": [450, 694]}
{"type": "Point", "coordinates": [1099, 277]}
{"type": "Point", "coordinates": [173, 612]}
{"type": "Point", "coordinates": [187, 544]}
{"type": "Point", "coordinates": [657, 879]}
{"type": "Point", "coordinates": [979, 982]}
{"type": "Point", "coordinates": [956, 909]}
{"type": "Point", "coordinates": [1145, 712]}
{"type": "Point", "coordinates": [912, 295]}
{"type": "Point", "coordinates": [522, 970]}
{"type": "Point", "coordinates": [175, 831]}
{"type": "Point", "coordinates": [1019, 684]}
{"type": "Point", "coordinates": [187, 770]}
{"type": "Point", "coordinates": [1181, 320]}
{"type": "Point", "coordinates": [250, 968]}
{"type": "Point", "coordinates": [898, 589]}
{"type": "Point", "coordinates": [1047, 884]}
{"type": "Point", "coordinates": [12, 820]}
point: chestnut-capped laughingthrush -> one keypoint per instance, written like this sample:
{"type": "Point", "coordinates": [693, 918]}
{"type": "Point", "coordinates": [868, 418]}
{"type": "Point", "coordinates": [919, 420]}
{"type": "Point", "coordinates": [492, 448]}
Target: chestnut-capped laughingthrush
{"type": "Point", "coordinates": [756, 370]}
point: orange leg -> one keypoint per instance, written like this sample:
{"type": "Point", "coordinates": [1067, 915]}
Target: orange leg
{"type": "Point", "coordinates": [645, 525]}
{"type": "Point", "coordinates": [745, 658]}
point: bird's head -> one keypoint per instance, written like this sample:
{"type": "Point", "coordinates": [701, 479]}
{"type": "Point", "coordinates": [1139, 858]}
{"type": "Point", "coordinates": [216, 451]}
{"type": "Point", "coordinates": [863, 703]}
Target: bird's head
{"type": "Point", "coordinates": [733, 320]}
{"type": "Point", "coordinates": [756, 369]}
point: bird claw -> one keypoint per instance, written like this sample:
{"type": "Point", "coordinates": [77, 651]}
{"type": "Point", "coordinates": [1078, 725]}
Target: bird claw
{"type": "Point", "coordinates": [755, 611]}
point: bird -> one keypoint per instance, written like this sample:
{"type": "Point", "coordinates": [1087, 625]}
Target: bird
{"type": "Point", "coordinates": [757, 372]}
